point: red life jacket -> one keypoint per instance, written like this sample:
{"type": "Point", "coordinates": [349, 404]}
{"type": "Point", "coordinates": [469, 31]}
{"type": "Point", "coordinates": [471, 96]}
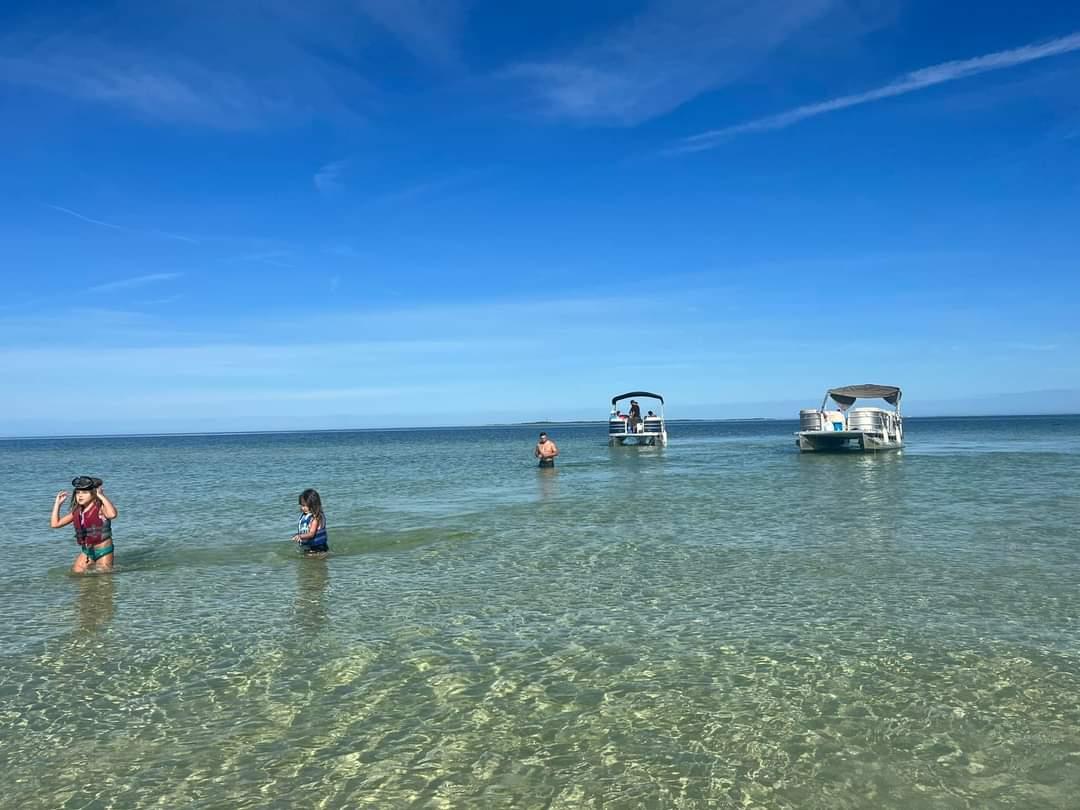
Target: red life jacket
{"type": "Point", "coordinates": [91, 527]}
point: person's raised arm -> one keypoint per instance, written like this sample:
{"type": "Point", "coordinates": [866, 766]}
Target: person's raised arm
{"type": "Point", "coordinates": [55, 521]}
{"type": "Point", "coordinates": [107, 508]}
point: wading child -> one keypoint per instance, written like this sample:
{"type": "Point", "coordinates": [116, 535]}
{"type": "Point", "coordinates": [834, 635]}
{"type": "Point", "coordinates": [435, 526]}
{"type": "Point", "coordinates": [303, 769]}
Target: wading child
{"type": "Point", "coordinates": [311, 528]}
{"type": "Point", "coordinates": [92, 515]}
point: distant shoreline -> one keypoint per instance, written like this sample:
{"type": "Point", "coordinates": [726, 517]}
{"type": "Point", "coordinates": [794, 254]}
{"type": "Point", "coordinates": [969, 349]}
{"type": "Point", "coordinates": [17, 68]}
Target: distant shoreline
{"type": "Point", "coordinates": [485, 426]}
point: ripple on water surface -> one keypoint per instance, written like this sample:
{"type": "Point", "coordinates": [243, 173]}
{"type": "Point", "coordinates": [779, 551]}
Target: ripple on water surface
{"type": "Point", "coordinates": [721, 624]}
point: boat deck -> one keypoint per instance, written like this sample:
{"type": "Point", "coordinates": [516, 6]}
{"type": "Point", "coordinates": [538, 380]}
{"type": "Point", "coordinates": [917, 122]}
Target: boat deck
{"type": "Point", "coordinates": [824, 440]}
{"type": "Point", "coordinates": [838, 434]}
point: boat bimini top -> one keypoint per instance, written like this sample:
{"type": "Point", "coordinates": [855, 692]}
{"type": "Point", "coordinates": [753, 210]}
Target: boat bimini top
{"type": "Point", "coordinates": [846, 395]}
{"type": "Point", "coordinates": [630, 394]}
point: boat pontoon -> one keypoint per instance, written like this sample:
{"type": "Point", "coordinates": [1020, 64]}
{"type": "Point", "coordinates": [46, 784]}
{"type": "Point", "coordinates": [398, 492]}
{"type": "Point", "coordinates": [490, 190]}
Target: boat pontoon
{"type": "Point", "coordinates": [854, 429]}
{"type": "Point", "coordinates": [650, 429]}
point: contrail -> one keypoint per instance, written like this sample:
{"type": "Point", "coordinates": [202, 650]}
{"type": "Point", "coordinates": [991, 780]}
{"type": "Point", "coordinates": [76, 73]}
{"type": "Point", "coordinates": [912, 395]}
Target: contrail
{"type": "Point", "coordinates": [908, 83]}
{"type": "Point", "coordinates": [164, 234]}
{"type": "Point", "coordinates": [77, 215]}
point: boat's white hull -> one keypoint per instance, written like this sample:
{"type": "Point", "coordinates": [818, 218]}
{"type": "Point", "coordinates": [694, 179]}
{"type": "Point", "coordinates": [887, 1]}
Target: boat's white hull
{"type": "Point", "coordinates": [810, 441]}
{"type": "Point", "coordinates": [641, 439]}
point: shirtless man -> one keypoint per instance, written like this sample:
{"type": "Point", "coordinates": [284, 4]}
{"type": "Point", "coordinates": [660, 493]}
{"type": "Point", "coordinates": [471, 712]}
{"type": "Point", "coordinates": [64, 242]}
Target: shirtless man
{"type": "Point", "coordinates": [546, 451]}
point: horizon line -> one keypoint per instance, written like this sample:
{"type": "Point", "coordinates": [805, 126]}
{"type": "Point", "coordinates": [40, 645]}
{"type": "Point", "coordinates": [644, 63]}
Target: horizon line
{"type": "Point", "coordinates": [483, 426]}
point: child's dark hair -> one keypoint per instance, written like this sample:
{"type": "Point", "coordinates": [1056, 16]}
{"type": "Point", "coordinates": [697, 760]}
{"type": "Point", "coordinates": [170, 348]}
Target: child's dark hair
{"type": "Point", "coordinates": [310, 498]}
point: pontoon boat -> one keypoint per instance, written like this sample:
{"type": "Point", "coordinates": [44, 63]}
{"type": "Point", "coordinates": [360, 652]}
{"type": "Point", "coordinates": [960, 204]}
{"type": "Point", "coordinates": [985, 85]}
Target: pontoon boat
{"type": "Point", "coordinates": [855, 429]}
{"type": "Point", "coordinates": [633, 428]}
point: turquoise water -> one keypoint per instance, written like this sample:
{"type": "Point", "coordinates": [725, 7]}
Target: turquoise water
{"type": "Point", "coordinates": [723, 623]}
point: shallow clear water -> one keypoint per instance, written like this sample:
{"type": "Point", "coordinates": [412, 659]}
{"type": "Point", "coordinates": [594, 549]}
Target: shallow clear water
{"type": "Point", "coordinates": [724, 623]}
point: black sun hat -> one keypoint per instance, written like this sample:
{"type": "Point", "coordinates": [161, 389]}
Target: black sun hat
{"type": "Point", "coordinates": [86, 482]}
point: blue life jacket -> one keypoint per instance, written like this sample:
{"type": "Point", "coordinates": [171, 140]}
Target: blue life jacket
{"type": "Point", "coordinates": [304, 525]}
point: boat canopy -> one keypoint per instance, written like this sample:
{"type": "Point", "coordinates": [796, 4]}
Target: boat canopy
{"type": "Point", "coordinates": [629, 394]}
{"type": "Point", "coordinates": [846, 395]}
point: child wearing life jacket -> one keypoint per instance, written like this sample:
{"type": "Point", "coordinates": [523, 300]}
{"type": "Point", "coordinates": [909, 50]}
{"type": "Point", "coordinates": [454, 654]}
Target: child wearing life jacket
{"type": "Point", "coordinates": [92, 514]}
{"type": "Point", "coordinates": [311, 528]}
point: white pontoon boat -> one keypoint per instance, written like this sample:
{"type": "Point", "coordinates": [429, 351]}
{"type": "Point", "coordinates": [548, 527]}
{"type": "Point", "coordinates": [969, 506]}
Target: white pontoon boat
{"type": "Point", "coordinates": [624, 429]}
{"type": "Point", "coordinates": [854, 429]}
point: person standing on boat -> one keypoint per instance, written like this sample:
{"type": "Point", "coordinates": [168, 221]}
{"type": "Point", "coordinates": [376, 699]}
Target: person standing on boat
{"type": "Point", "coordinates": [545, 451]}
{"type": "Point", "coordinates": [635, 416]}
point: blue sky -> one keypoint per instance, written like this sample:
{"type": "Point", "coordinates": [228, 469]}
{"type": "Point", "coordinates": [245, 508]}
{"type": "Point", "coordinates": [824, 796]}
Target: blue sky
{"type": "Point", "coordinates": [394, 212]}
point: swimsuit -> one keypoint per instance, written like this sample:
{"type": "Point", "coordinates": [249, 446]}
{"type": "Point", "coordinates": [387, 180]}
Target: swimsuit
{"type": "Point", "coordinates": [316, 543]}
{"type": "Point", "coordinates": [95, 553]}
{"type": "Point", "coordinates": [93, 532]}
{"type": "Point", "coordinates": [547, 462]}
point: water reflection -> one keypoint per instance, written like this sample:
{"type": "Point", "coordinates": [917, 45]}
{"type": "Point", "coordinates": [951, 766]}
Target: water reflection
{"type": "Point", "coordinates": [96, 601]}
{"type": "Point", "coordinates": [312, 579]}
{"type": "Point", "coordinates": [861, 493]}
{"type": "Point", "coordinates": [876, 476]}
{"type": "Point", "coordinates": [549, 482]}
{"type": "Point", "coordinates": [633, 459]}
{"type": "Point", "coordinates": [877, 494]}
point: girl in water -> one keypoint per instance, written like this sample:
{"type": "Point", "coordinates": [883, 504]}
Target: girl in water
{"type": "Point", "coordinates": [92, 515]}
{"type": "Point", "coordinates": [311, 528]}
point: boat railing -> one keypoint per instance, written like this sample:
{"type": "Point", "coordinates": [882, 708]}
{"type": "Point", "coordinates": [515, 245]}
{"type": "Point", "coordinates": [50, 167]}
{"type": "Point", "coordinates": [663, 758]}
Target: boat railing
{"type": "Point", "coordinates": [867, 420]}
{"type": "Point", "coordinates": [648, 426]}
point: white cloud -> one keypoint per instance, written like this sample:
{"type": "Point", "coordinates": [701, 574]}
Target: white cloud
{"type": "Point", "coordinates": [664, 57]}
{"type": "Point", "coordinates": [430, 29]}
{"type": "Point", "coordinates": [343, 250]}
{"type": "Point", "coordinates": [172, 90]}
{"type": "Point", "coordinates": [273, 258]}
{"type": "Point", "coordinates": [225, 66]}
{"type": "Point", "coordinates": [135, 281]}
{"type": "Point", "coordinates": [909, 83]}
{"type": "Point", "coordinates": [329, 178]}
{"type": "Point", "coordinates": [1033, 347]}
{"type": "Point", "coordinates": [238, 360]}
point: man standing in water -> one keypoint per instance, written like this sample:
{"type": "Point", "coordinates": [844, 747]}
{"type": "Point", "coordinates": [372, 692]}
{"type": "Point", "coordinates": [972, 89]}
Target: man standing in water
{"type": "Point", "coordinates": [546, 451]}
